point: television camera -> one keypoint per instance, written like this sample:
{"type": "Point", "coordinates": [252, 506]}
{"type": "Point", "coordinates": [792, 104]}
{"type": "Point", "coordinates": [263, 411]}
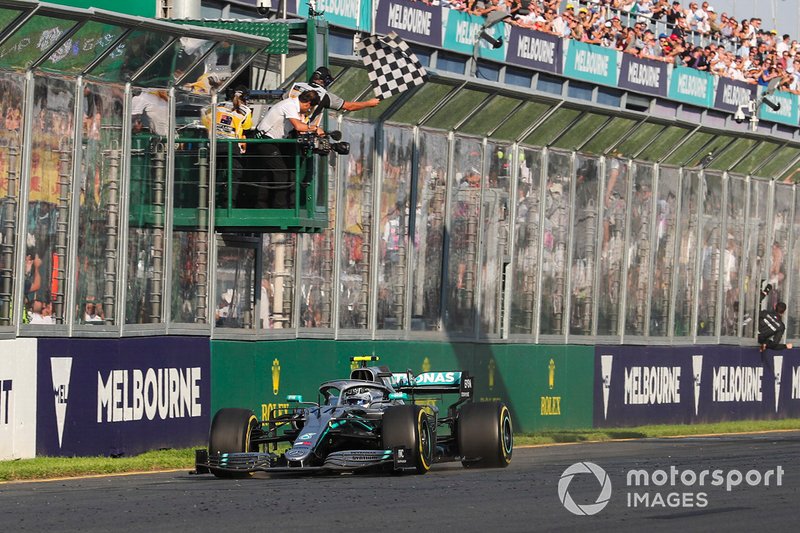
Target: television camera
{"type": "Point", "coordinates": [311, 143]}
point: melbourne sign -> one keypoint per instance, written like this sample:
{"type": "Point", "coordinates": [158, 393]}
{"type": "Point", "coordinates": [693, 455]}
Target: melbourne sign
{"type": "Point", "coordinates": [591, 63]}
{"type": "Point", "coordinates": [643, 75]}
{"type": "Point", "coordinates": [692, 87]}
{"type": "Point", "coordinates": [462, 35]}
{"type": "Point", "coordinates": [413, 21]}
{"type": "Point", "coordinates": [647, 385]}
{"type": "Point", "coordinates": [122, 396]}
{"type": "Point", "coordinates": [535, 50]}
{"type": "Point", "coordinates": [732, 93]}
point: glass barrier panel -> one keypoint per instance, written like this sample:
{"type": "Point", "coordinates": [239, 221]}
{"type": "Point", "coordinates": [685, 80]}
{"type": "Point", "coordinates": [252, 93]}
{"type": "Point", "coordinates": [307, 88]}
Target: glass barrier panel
{"type": "Point", "coordinates": [190, 202]}
{"type": "Point", "coordinates": [146, 212]}
{"type": "Point", "coordinates": [277, 281]}
{"type": "Point", "coordinates": [640, 250]}
{"type": "Point", "coordinates": [32, 41]}
{"type": "Point", "coordinates": [7, 16]}
{"type": "Point", "coordinates": [495, 238]}
{"type": "Point", "coordinates": [779, 245]}
{"type": "Point", "coordinates": [12, 88]}
{"type": "Point", "coordinates": [584, 250]}
{"type": "Point", "coordinates": [235, 273]}
{"type": "Point", "coordinates": [557, 214]}
{"type": "Point", "coordinates": [317, 259]}
{"type": "Point", "coordinates": [357, 195]}
{"type": "Point", "coordinates": [87, 44]}
{"type": "Point", "coordinates": [525, 263]}
{"type": "Point", "coordinates": [462, 249]}
{"type": "Point", "coordinates": [99, 204]}
{"type": "Point", "coordinates": [756, 250]}
{"type": "Point", "coordinates": [129, 56]}
{"type": "Point", "coordinates": [732, 258]}
{"type": "Point", "coordinates": [614, 205]}
{"type": "Point", "coordinates": [669, 180]}
{"type": "Point", "coordinates": [49, 211]}
{"type": "Point", "coordinates": [217, 67]}
{"type": "Point", "coordinates": [793, 311]}
{"type": "Point", "coordinates": [398, 151]}
{"type": "Point", "coordinates": [711, 240]}
{"type": "Point", "coordinates": [170, 66]}
{"type": "Point", "coordinates": [686, 282]}
{"type": "Point", "coordinates": [428, 236]}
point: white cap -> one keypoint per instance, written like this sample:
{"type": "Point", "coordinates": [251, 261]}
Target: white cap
{"type": "Point", "coordinates": [711, 8]}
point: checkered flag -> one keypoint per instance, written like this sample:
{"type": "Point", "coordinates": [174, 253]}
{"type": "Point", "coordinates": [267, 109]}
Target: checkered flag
{"type": "Point", "coordinates": [393, 67]}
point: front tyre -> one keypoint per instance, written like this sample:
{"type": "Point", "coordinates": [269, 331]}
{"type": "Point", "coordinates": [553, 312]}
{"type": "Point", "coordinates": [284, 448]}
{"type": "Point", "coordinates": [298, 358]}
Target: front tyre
{"type": "Point", "coordinates": [408, 426]}
{"type": "Point", "coordinates": [485, 435]}
{"type": "Point", "coordinates": [231, 432]}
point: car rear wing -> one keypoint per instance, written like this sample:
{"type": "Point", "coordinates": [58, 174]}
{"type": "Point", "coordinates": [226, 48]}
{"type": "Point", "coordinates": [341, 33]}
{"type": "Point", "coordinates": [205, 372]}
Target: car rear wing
{"type": "Point", "coordinates": [433, 383]}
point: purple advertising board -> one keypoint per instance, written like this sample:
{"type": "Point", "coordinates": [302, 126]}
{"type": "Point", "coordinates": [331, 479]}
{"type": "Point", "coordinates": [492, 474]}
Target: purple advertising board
{"type": "Point", "coordinates": [732, 93]}
{"type": "Point", "coordinates": [122, 396]}
{"type": "Point", "coordinates": [411, 20]}
{"type": "Point", "coordinates": [535, 50]}
{"type": "Point", "coordinates": [636, 385]}
{"type": "Point", "coordinates": [643, 75]}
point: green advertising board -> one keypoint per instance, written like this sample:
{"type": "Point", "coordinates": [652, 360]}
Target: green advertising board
{"type": "Point", "coordinates": [142, 8]}
{"type": "Point", "coordinates": [692, 87]}
{"type": "Point", "coordinates": [591, 63]}
{"type": "Point", "coordinates": [545, 387]}
{"type": "Point", "coordinates": [462, 35]}
{"type": "Point", "coordinates": [786, 113]}
{"type": "Point", "coordinates": [353, 14]}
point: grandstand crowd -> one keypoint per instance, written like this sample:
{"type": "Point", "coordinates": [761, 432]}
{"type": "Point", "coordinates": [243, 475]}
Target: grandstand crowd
{"type": "Point", "coordinates": [694, 36]}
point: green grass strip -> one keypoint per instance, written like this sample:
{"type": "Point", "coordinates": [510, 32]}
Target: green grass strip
{"type": "Point", "coordinates": [643, 432]}
{"type": "Point", "coordinates": [57, 467]}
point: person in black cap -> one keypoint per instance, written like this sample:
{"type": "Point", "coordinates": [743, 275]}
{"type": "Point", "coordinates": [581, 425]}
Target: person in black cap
{"type": "Point", "coordinates": [320, 80]}
{"type": "Point", "coordinates": [771, 329]}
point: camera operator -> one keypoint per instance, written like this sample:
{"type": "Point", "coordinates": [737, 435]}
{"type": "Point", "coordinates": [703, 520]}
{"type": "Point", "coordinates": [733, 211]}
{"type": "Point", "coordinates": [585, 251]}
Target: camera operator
{"type": "Point", "coordinates": [320, 80]}
{"type": "Point", "coordinates": [277, 159]}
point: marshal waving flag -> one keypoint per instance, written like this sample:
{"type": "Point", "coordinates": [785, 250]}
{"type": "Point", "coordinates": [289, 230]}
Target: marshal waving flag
{"type": "Point", "coordinates": [393, 68]}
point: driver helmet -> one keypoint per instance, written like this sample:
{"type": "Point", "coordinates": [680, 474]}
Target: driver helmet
{"type": "Point", "coordinates": [360, 397]}
{"type": "Point", "coordinates": [322, 76]}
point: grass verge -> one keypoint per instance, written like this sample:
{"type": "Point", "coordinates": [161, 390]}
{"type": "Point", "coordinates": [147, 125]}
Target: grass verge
{"type": "Point", "coordinates": [57, 467]}
{"type": "Point", "coordinates": [643, 432]}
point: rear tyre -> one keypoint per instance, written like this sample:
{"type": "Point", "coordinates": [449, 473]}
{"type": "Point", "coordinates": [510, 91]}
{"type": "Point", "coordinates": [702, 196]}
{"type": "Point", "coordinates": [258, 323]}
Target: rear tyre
{"type": "Point", "coordinates": [231, 432]}
{"type": "Point", "coordinates": [408, 426]}
{"type": "Point", "coordinates": [485, 435]}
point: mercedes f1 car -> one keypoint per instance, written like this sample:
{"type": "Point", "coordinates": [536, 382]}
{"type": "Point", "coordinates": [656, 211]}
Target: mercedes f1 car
{"type": "Point", "coordinates": [376, 419]}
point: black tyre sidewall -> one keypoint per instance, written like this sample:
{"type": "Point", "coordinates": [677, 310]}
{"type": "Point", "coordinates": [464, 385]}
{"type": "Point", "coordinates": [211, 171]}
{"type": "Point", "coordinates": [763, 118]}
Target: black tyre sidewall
{"type": "Point", "coordinates": [230, 432]}
{"type": "Point", "coordinates": [401, 427]}
{"type": "Point", "coordinates": [485, 435]}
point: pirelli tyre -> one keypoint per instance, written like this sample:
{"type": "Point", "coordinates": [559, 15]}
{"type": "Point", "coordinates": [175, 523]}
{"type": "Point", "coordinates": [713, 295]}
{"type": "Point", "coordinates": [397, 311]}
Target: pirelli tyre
{"type": "Point", "coordinates": [409, 426]}
{"type": "Point", "coordinates": [485, 435]}
{"type": "Point", "coordinates": [231, 431]}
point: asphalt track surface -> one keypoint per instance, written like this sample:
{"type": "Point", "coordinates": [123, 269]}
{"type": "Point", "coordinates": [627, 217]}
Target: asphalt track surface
{"type": "Point", "coordinates": [522, 497]}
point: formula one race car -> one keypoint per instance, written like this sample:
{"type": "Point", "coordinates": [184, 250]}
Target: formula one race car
{"type": "Point", "coordinates": [370, 421]}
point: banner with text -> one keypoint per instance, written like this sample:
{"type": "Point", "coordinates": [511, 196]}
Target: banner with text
{"type": "Point", "coordinates": [732, 93]}
{"type": "Point", "coordinates": [535, 50]}
{"type": "Point", "coordinates": [353, 14]}
{"type": "Point", "coordinates": [637, 385]}
{"type": "Point", "coordinates": [643, 75]}
{"type": "Point", "coordinates": [787, 114]}
{"type": "Point", "coordinates": [411, 20]}
{"type": "Point", "coordinates": [462, 32]}
{"type": "Point", "coordinates": [591, 63]}
{"type": "Point", "coordinates": [692, 87]}
{"type": "Point", "coordinates": [122, 396]}
{"type": "Point", "coordinates": [17, 399]}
